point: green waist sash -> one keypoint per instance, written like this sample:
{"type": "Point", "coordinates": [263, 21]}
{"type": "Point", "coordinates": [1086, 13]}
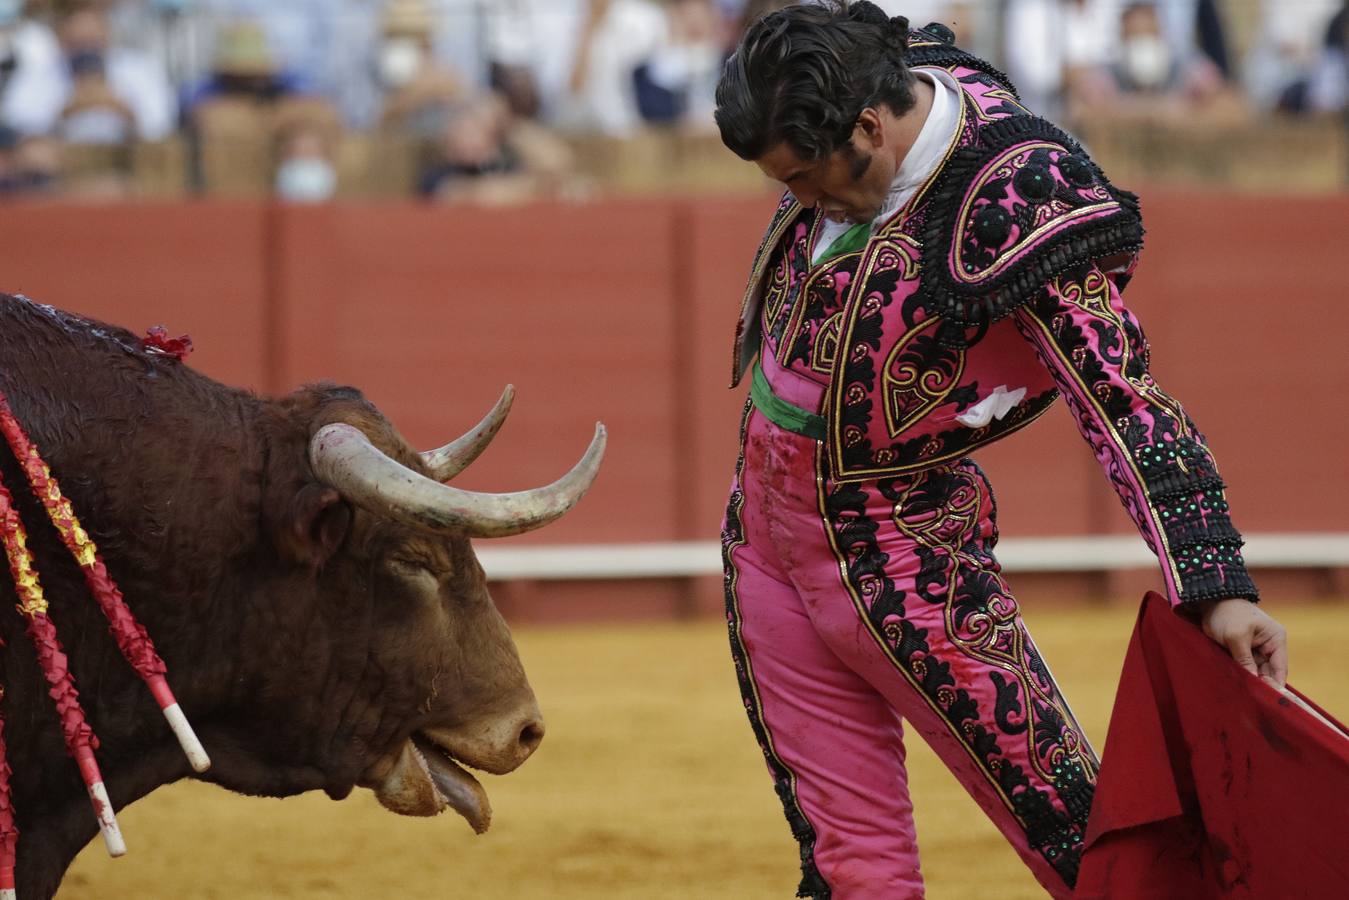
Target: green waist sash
{"type": "Point", "coordinates": [781, 413]}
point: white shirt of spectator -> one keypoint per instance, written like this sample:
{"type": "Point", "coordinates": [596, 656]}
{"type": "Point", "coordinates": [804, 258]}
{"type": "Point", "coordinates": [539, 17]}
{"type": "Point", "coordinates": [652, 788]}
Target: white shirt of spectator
{"type": "Point", "coordinates": [631, 32]}
{"type": "Point", "coordinates": [539, 35]}
{"type": "Point", "coordinates": [141, 82]}
{"type": "Point", "coordinates": [923, 158]}
{"type": "Point", "coordinates": [1047, 37]}
{"type": "Point", "coordinates": [34, 95]}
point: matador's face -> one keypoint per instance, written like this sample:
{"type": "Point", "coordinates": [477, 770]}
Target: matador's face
{"type": "Point", "coordinates": [850, 184]}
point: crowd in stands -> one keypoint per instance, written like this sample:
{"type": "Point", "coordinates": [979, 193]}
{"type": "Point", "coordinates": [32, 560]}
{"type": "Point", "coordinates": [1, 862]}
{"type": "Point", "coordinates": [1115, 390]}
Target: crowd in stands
{"type": "Point", "coordinates": [481, 99]}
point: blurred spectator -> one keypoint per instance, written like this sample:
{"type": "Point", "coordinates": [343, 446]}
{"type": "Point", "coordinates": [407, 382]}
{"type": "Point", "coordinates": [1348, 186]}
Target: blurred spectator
{"type": "Point", "coordinates": [28, 165]}
{"type": "Point", "coordinates": [1209, 36]}
{"type": "Point", "coordinates": [113, 95]}
{"type": "Point", "coordinates": [1111, 58]}
{"type": "Point", "coordinates": [233, 116]}
{"type": "Point", "coordinates": [530, 48]}
{"type": "Point", "coordinates": [332, 47]}
{"type": "Point", "coordinates": [1146, 64]}
{"type": "Point", "coordinates": [418, 90]}
{"type": "Point", "coordinates": [307, 137]}
{"type": "Point", "coordinates": [31, 78]}
{"type": "Point", "coordinates": [1322, 83]}
{"type": "Point", "coordinates": [1286, 51]}
{"type": "Point", "coordinates": [1059, 50]}
{"type": "Point", "coordinates": [94, 114]}
{"type": "Point", "coordinates": [243, 68]}
{"type": "Point", "coordinates": [485, 155]}
{"type": "Point", "coordinates": [1329, 82]}
{"type": "Point", "coordinates": [617, 38]}
{"type": "Point", "coordinates": [177, 34]}
{"type": "Point", "coordinates": [645, 61]}
{"type": "Point", "coordinates": [304, 38]}
{"type": "Point", "coordinates": [1151, 78]}
{"type": "Point", "coordinates": [678, 81]}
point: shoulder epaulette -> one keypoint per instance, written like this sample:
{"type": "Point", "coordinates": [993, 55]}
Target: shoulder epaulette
{"type": "Point", "coordinates": [1018, 207]}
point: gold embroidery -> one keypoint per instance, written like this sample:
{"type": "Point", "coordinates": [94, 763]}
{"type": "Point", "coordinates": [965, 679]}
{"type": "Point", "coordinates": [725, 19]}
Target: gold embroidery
{"type": "Point", "coordinates": [825, 347]}
{"type": "Point", "coordinates": [912, 392]}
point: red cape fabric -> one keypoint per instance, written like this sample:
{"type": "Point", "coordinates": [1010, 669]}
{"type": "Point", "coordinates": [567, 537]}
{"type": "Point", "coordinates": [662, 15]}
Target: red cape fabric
{"type": "Point", "coordinates": [1213, 785]}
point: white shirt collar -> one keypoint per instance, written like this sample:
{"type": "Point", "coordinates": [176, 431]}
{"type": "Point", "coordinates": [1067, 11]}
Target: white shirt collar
{"type": "Point", "coordinates": [929, 147]}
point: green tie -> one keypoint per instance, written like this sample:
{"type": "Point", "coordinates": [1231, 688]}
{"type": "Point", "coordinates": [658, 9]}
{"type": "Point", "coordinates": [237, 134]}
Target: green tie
{"type": "Point", "coordinates": [855, 238]}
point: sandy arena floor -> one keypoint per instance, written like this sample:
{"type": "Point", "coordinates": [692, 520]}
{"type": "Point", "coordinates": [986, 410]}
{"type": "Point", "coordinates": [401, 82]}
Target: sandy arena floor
{"type": "Point", "coordinates": [649, 785]}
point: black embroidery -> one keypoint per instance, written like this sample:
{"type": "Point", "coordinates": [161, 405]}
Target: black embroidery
{"type": "Point", "coordinates": [1051, 832]}
{"type": "Point", "coordinates": [812, 884]}
{"type": "Point", "coordinates": [992, 226]}
{"type": "Point", "coordinates": [1044, 191]}
{"type": "Point", "coordinates": [1077, 170]}
{"type": "Point", "coordinates": [1009, 705]}
{"type": "Point", "coordinates": [1034, 181]}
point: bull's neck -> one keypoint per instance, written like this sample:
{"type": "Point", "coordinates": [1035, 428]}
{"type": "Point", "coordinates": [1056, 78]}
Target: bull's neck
{"type": "Point", "coordinates": [50, 843]}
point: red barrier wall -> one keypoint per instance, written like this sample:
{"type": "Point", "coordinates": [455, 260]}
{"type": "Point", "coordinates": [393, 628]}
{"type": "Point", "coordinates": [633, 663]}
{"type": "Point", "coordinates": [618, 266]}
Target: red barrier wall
{"type": "Point", "coordinates": [623, 311]}
{"type": "Point", "coordinates": [196, 267]}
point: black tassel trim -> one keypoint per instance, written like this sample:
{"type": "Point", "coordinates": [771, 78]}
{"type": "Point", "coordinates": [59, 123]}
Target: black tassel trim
{"type": "Point", "coordinates": [1234, 585]}
{"type": "Point", "coordinates": [981, 304]}
{"type": "Point", "coordinates": [1179, 486]}
{"type": "Point", "coordinates": [1199, 534]}
{"type": "Point", "coordinates": [1173, 483]}
{"type": "Point", "coordinates": [1224, 576]}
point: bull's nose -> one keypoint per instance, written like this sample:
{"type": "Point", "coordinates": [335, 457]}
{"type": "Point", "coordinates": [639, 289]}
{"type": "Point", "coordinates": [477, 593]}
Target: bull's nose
{"type": "Point", "coordinates": [531, 735]}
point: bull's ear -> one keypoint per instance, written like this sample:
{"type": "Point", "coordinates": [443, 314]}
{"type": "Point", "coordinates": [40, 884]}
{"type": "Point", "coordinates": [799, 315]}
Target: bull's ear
{"type": "Point", "coordinates": [316, 525]}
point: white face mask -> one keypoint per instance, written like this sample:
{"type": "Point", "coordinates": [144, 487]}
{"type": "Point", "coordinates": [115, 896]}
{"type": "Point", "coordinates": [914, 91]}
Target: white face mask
{"type": "Point", "coordinates": [400, 59]}
{"type": "Point", "coordinates": [306, 179]}
{"type": "Point", "coordinates": [1147, 59]}
{"type": "Point", "coordinates": [96, 125]}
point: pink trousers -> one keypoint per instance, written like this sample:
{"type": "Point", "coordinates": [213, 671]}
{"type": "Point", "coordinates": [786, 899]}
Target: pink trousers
{"type": "Point", "coordinates": [853, 607]}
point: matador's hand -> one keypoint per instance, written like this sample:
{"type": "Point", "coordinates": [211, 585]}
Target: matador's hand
{"type": "Point", "coordinates": [1258, 643]}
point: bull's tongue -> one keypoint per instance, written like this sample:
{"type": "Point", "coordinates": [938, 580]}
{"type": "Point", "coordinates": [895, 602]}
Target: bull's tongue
{"type": "Point", "coordinates": [460, 789]}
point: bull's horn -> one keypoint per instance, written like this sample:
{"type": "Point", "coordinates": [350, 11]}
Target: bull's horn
{"type": "Point", "coordinates": [343, 457]}
{"type": "Point", "coordinates": [454, 457]}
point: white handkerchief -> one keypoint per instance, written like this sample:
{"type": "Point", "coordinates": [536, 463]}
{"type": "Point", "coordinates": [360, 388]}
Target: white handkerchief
{"type": "Point", "coordinates": [995, 406]}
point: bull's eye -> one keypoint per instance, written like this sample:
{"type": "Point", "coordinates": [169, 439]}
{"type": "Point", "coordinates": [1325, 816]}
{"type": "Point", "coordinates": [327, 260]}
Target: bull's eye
{"type": "Point", "coordinates": [416, 577]}
{"type": "Point", "coordinates": [410, 568]}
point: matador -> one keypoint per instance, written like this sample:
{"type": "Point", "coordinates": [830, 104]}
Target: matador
{"type": "Point", "coordinates": [943, 266]}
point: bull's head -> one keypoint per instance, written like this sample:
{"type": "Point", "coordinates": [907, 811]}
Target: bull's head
{"type": "Point", "coordinates": [442, 686]}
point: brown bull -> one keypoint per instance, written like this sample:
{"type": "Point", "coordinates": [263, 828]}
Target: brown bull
{"type": "Point", "coordinates": [306, 576]}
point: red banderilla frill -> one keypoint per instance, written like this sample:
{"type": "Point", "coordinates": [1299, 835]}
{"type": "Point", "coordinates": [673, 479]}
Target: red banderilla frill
{"type": "Point", "coordinates": [80, 740]}
{"type": "Point", "coordinates": [9, 834]}
{"type": "Point", "coordinates": [131, 638]}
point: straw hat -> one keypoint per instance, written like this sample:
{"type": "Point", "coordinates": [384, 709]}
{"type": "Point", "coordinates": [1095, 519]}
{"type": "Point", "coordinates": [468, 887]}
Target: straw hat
{"type": "Point", "coordinates": [408, 18]}
{"type": "Point", "coordinates": [241, 48]}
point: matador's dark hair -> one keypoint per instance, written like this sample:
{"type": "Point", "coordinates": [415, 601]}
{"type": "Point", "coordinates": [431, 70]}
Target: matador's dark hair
{"type": "Point", "coordinates": [802, 75]}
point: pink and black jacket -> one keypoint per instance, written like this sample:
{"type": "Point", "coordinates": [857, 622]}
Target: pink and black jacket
{"type": "Point", "coordinates": [993, 291]}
